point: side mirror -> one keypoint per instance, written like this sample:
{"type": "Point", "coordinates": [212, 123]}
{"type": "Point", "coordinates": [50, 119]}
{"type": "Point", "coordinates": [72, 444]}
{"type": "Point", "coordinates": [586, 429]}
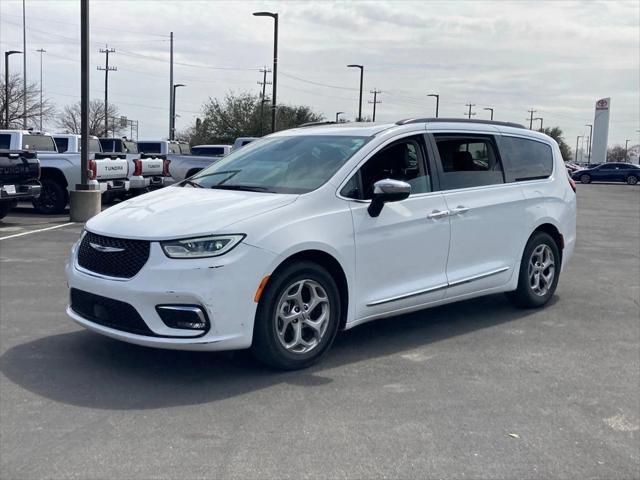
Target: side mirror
{"type": "Point", "coordinates": [387, 190]}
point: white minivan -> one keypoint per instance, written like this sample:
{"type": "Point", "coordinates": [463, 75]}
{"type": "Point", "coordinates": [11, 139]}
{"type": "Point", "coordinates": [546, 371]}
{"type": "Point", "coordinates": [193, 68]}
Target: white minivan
{"type": "Point", "coordinates": [308, 231]}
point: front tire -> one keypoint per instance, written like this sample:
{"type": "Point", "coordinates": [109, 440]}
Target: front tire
{"type": "Point", "coordinates": [297, 318]}
{"type": "Point", "coordinates": [539, 272]}
{"type": "Point", "coordinates": [585, 178]}
{"type": "Point", "coordinates": [632, 179]}
{"type": "Point", "coordinates": [53, 198]}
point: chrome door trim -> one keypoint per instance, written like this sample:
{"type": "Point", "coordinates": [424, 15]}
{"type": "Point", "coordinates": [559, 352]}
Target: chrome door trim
{"type": "Point", "coordinates": [478, 277]}
{"type": "Point", "coordinates": [437, 287]}
{"type": "Point", "coordinates": [408, 295]}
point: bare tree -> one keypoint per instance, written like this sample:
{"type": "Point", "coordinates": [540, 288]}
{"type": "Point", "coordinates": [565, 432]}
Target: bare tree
{"type": "Point", "coordinates": [69, 119]}
{"type": "Point", "coordinates": [16, 102]}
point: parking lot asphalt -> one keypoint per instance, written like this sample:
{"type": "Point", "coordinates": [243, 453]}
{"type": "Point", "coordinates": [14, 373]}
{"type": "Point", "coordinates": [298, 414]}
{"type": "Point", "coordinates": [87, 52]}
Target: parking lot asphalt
{"type": "Point", "coordinates": [477, 389]}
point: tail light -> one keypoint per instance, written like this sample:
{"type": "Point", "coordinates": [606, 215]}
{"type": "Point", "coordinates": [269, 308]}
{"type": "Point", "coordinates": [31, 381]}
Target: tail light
{"type": "Point", "coordinates": [165, 168]}
{"type": "Point", "coordinates": [138, 167]}
{"type": "Point", "coordinates": [93, 170]}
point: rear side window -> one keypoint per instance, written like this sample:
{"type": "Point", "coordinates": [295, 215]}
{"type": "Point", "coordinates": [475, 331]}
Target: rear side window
{"type": "Point", "coordinates": [42, 143]}
{"type": "Point", "coordinates": [5, 141]}
{"type": "Point", "coordinates": [62, 144]}
{"type": "Point", "coordinates": [527, 159]}
{"type": "Point", "coordinates": [468, 161]}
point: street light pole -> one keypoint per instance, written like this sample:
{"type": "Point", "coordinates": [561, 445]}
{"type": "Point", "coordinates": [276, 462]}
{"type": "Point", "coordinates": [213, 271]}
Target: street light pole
{"type": "Point", "coordinates": [626, 150]}
{"type": "Point", "coordinates": [24, 66]}
{"type": "Point", "coordinates": [41, 50]}
{"type": "Point", "coordinates": [491, 110]}
{"type": "Point", "coordinates": [338, 115]}
{"type": "Point", "coordinates": [173, 109]}
{"type": "Point", "coordinates": [6, 85]}
{"type": "Point", "coordinates": [437, 101]}
{"type": "Point", "coordinates": [275, 64]}
{"type": "Point", "coordinates": [590, 140]}
{"type": "Point", "coordinates": [361, 67]}
{"type": "Point", "coordinates": [577, 141]}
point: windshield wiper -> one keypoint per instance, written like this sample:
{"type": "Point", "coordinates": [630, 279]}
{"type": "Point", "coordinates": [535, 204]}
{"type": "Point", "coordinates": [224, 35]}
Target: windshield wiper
{"type": "Point", "coordinates": [192, 183]}
{"type": "Point", "coordinates": [248, 188]}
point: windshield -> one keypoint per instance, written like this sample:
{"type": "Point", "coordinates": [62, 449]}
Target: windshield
{"type": "Point", "coordinates": [296, 164]}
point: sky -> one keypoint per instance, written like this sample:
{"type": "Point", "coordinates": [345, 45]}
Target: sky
{"type": "Point", "coordinates": [555, 57]}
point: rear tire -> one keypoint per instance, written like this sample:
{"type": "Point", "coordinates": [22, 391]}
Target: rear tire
{"type": "Point", "coordinates": [539, 272]}
{"type": "Point", "coordinates": [585, 178]}
{"type": "Point", "coordinates": [5, 208]}
{"type": "Point", "coordinates": [53, 198]}
{"type": "Point", "coordinates": [632, 179]}
{"type": "Point", "coordinates": [297, 318]}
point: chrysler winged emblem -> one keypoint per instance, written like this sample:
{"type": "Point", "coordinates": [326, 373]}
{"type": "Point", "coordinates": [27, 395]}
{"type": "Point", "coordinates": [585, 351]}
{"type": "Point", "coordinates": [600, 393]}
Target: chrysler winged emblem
{"type": "Point", "coordinates": [102, 248]}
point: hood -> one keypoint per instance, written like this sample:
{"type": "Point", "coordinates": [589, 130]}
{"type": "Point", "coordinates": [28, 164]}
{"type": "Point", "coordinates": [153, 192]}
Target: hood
{"type": "Point", "coordinates": [176, 212]}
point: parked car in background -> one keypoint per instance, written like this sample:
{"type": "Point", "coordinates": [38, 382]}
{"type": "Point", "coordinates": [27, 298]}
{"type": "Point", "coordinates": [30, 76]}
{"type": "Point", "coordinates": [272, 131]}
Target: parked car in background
{"type": "Point", "coordinates": [572, 167]}
{"type": "Point", "coordinates": [60, 172]}
{"type": "Point", "coordinates": [242, 141]}
{"type": "Point", "coordinates": [19, 174]}
{"type": "Point", "coordinates": [147, 171]}
{"type": "Point", "coordinates": [609, 172]}
{"type": "Point", "coordinates": [211, 150]}
{"type": "Point", "coordinates": [284, 242]}
{"type": "Point", "coordinates": [179, 166]}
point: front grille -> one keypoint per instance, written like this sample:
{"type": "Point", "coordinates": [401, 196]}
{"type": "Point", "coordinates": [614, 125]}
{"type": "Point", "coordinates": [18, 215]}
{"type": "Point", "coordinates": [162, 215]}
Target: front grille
{"type": "Point", "coordinates": [108, 312]}
{"type": "Point", "coordinates": [122, 264]}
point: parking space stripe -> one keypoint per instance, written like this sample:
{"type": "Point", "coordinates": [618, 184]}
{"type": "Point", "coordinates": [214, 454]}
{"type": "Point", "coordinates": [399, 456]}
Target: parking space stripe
{"type": "Point", "coordinates": [37, 231]}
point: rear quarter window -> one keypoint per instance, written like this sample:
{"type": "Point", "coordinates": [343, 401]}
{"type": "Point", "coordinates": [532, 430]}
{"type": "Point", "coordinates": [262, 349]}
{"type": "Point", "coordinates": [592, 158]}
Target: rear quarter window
{"type": "Point", "coordinates": [526, 159]}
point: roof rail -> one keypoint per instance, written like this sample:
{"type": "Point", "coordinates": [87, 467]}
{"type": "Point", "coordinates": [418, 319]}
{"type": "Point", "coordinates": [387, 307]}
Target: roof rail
{"type": "Point", "coordinates": [314, 124]}
{"type": "Point", "coordinates": [407, 121]}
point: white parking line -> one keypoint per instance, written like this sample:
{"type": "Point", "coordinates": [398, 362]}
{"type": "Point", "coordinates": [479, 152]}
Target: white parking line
{"type": "Point", "coordinates": [37, 231]}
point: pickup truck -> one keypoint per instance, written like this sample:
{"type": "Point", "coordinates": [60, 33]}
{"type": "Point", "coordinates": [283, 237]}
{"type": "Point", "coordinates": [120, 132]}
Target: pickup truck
{"type": "Point", "coordinates": [147, 170]}
{"type": "Point", "coordinates": [211, 150]}
{"type": "Point", "coordinates": [60, 172]}
{"type": "Point", "coordinates": [180, 165]}
{"type": "Point", "coordinates": [19, 174]}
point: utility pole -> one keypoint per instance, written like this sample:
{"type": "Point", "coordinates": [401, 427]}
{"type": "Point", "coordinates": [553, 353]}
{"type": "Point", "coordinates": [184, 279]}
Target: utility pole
{"type": "Point", "coordinates": [375, 101]}
{"type": "Point", "coordinates": [589, 143]}
{"type": "Point", "coordinates": [532, 111]}
{"type": "Point", "coordinates": [264, 84]}
{"type": "Point", "coordinates": [626, 150]}
{"type": "Point", "coordinates": [469, 113]}
{"type": "Point", "coordinates": [41, 50]}
{"type": "Point", "coordinates": [106, 70]}
{"type": "Point", "coordinates": [6, 85]}
{"type": "Point", "coordinates": [173, 109]}
{"type": "Point", "coordinates": [170, 85]}
{"type": "Point", "coordinates": [437, 97]}
{"type": "Point", "coordinates": [491, 110]}
{"type": "Point", "coordinates": [361, 67]}
{"type": "Point", "coordinates": [577, 140]}
{"type": "Point", "coordinates": [541, 120]}
{"type": "Point", "coordinates": [24, 66]}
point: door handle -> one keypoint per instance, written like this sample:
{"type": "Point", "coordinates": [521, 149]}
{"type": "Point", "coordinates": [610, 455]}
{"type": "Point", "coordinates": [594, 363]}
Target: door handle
{"type": "Point", "coordinates": [459, 209]}
{"type": "Point", "coordinates": [436, 214]}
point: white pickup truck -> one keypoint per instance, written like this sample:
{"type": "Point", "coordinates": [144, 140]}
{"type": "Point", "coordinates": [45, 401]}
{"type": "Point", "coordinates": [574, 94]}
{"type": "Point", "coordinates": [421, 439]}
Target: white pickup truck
{"type": "Point", "coordinates": [181, 164]}
{"type": "Point", "coordinates": [60, 172]}
{"type": "Point", "coordinates": [146, 170]}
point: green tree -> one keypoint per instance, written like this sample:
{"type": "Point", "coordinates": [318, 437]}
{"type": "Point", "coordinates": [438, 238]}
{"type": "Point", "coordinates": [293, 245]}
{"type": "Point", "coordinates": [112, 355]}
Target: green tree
{"type": "Point", "coordinates": [557, 134]}
{"type": "Point", "coordinates": [616, 154]}
{"type": "Point", "coordinates": [238, 115]}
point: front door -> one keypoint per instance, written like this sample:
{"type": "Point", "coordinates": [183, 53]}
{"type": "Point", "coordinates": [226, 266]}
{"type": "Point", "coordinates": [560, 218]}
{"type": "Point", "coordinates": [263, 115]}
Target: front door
{"type": "Point", "coordinates": [401, 255]}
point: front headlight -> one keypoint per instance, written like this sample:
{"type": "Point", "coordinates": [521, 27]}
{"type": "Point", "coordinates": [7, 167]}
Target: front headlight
{"type": "Point", "coordinates": [200, 247]}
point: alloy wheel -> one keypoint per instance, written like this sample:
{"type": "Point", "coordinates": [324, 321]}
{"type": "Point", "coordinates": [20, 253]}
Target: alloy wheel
{"type": "Point", "coordinates": [542, 270]}
{"type": "Point", "coordinates": [302, 316]}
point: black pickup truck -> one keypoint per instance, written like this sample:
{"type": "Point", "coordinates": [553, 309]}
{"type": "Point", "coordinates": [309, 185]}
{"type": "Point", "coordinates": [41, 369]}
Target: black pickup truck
{"type": "Point", "coordinates": [19, 174]}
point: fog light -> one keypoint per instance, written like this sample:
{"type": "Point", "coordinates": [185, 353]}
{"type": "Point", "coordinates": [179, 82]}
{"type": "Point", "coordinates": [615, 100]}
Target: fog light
{"type": "Point", "coordinates": [184, 317]}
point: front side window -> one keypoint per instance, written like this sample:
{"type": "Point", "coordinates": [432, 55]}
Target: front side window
{"type": "Point", "coordinates": [468, 161]}
{"type": "Point", "coordinates": [41, 143]}
{"type": "Point", "coordinates": [296, 164]}
{"type": "Point", "coordinates": [527, 159]}
{"type": "Point", "coordinates": [402, 160]}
